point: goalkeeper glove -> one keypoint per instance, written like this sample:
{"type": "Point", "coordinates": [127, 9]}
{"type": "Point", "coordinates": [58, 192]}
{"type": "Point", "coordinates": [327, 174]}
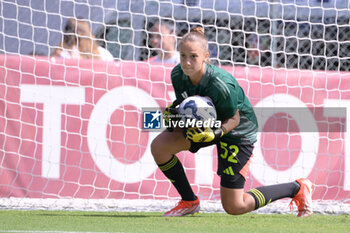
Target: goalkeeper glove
{"type": "Point", "coordinates": [169, 112]}
{"type": "Point", "coordinates": [204, 135]}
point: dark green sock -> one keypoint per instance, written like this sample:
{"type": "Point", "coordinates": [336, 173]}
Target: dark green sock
{"type": "Point", "coordinates": [267, 194]}
{"type": "Point", "coordinates": [175, 172]}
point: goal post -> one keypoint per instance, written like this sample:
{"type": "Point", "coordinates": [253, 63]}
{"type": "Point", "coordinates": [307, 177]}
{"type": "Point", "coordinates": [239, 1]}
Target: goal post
{"type": "Point", "coordinates": [72, 130]}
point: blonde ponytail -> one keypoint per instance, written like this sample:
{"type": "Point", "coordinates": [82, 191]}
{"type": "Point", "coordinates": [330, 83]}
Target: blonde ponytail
{"type": "Point", "coordinates": [199, 30]}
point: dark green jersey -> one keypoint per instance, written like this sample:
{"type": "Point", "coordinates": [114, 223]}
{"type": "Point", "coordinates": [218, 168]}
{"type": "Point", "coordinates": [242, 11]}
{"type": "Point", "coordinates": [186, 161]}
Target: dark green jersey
{"type": "Point", "coordinates": [226, 95]}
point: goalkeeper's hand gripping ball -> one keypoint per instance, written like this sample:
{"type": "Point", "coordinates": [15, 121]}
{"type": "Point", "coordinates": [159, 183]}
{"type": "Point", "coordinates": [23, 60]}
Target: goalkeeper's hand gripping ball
{"type": "Point", "coordinates": [203, 134]}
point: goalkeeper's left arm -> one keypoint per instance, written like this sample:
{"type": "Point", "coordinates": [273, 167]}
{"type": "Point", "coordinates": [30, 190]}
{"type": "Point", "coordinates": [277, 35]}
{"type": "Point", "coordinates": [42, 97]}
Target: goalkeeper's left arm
{"type": "Point", "coordinates": [170, 111]}
{"type": "Point", "coordinates": [209, 134]}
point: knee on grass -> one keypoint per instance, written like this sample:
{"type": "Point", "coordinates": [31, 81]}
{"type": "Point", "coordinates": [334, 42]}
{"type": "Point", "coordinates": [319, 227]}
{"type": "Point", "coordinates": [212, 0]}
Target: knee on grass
{"type": "Point", "coordinates": [235, 210]}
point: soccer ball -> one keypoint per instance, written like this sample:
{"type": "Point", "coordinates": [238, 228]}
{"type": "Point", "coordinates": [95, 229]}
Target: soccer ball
{"type": "Point", "coordinates": [197, 107]}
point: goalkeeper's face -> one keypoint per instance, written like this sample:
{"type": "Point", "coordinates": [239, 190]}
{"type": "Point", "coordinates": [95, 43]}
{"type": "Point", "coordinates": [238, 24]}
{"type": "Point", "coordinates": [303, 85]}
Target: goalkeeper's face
{"type": "Point", "coordinates": [192, 59]}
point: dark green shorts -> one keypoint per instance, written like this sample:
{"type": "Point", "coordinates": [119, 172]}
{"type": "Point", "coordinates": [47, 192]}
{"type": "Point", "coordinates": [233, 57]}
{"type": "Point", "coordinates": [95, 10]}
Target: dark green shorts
{"type": "Point", "coordinates": [233, 161]}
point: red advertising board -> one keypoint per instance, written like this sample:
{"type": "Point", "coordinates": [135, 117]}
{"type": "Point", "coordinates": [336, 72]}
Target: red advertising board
{"type": "Point", "coordinates": [73, 128]}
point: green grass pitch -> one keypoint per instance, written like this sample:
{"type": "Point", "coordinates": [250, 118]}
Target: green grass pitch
{"type": "Point", "coordinates": [39, 221]}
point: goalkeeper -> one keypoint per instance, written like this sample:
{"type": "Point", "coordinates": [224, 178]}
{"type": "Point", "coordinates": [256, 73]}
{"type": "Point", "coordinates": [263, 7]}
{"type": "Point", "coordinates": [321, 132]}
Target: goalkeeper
{"type": "Point", "coordinates": [234, 140]}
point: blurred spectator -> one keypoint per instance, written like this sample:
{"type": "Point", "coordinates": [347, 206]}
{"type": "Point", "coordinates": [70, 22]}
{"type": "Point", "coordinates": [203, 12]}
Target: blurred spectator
{"type": "Point", "coordinates": [79, 42]}
{"type": "Point", "coordinates": [163, 39]}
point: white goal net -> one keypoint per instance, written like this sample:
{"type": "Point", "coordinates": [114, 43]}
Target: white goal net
{"type": "Point", "coordinates": [71, 124]}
